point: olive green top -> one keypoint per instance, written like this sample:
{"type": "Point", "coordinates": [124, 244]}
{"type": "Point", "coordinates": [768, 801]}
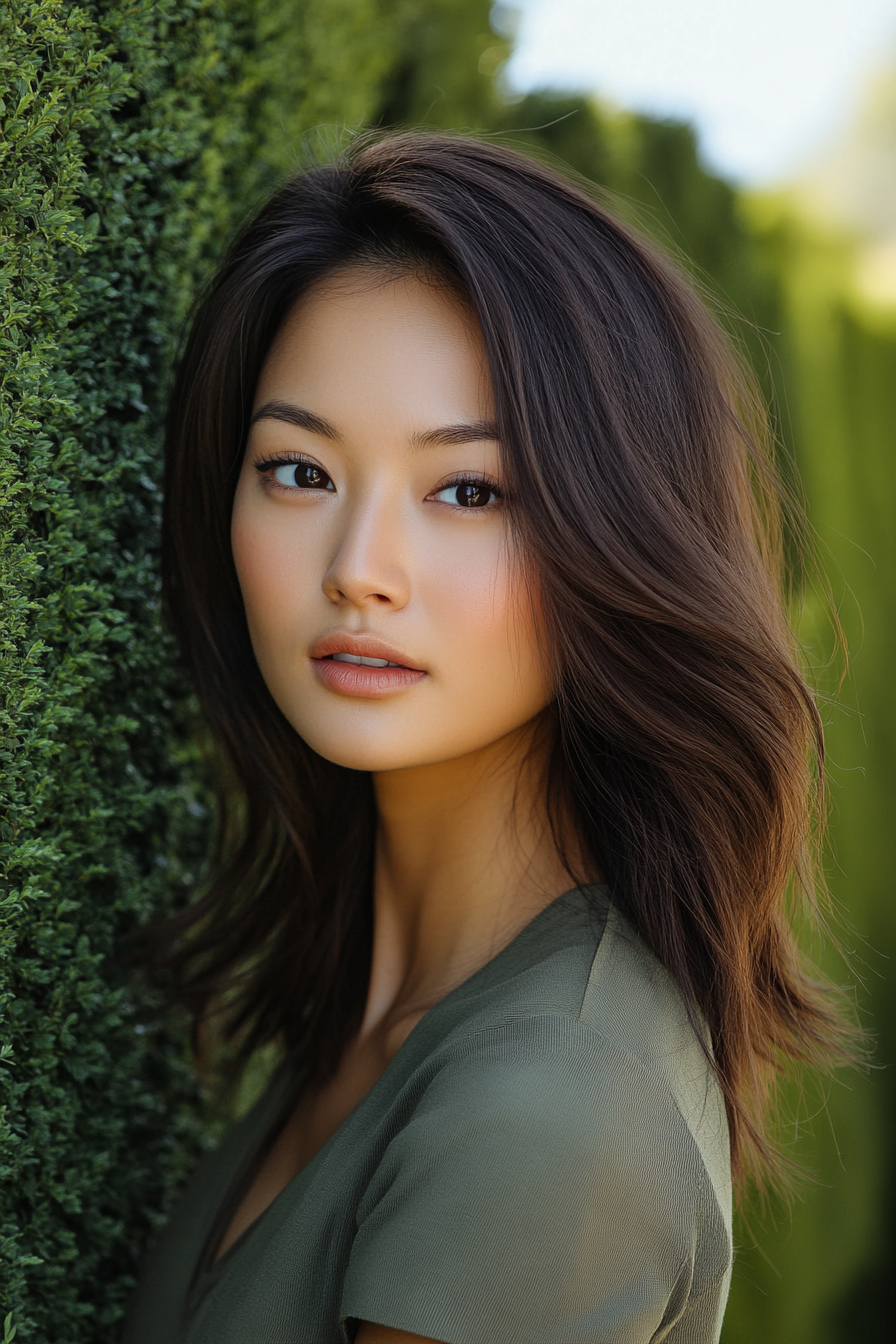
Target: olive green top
{"type": "Point", "coordinates": [544, 1161]}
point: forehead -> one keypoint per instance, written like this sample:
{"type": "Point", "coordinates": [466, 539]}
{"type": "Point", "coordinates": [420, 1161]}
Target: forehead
{"type": "Point", "coordinates": [361, 337]}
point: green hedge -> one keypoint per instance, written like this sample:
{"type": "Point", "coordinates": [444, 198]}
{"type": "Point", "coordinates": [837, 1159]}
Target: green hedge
{"type": "Point", "coordinates": [134, 136]}
{"type": "Point", "coordinates": [824, 1275]}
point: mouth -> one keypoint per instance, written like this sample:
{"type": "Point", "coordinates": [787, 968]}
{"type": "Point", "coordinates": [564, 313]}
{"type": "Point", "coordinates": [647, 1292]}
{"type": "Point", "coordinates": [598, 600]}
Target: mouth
{"type": "Point", "coordinates": [362, 666]}
{"type": "Point", "coordinates": [359, 660]}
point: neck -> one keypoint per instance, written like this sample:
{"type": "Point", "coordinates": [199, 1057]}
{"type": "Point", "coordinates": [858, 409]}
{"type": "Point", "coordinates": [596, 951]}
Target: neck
{"type": "Point", "coordinates": [465, 858]}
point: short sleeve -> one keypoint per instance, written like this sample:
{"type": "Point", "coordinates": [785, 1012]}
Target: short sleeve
{"type": "Point", "coordinates": [545, 1190]}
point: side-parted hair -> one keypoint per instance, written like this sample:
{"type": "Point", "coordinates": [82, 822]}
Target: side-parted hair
{"type": "Point", "coordinates": [643, 501]}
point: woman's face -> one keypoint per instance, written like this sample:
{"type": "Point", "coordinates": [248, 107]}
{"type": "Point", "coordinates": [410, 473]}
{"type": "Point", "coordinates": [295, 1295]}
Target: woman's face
{"type": "Point", "coordinates": [369, 523]}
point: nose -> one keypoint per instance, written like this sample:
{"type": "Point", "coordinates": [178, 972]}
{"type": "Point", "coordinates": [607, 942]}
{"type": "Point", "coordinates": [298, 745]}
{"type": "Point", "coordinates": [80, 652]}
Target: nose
{"type": "Point", "coordinates": [368, 568]}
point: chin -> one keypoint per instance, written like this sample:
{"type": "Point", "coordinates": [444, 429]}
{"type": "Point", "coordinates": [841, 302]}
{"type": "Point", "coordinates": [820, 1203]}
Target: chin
{"type": "Point", "coordinates": [376, 755]}
{"type": "Point", "coordinates": [354, 753]}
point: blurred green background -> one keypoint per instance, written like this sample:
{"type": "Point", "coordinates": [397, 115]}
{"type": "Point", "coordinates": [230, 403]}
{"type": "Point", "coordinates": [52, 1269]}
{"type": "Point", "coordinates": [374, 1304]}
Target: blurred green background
{"type": "Point", "coordinates": [136, 136]}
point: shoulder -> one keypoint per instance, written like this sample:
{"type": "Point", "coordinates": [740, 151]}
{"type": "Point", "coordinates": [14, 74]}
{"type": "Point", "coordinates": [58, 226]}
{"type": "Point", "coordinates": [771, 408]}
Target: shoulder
{"type": "Point", "coordinates": [598, 1011]}
{"type": "Point", "coordinates": [553, 1094]}
{"type": "Point", "coordinates": [632, 1002]}
{"type": "Point", "coordinates": [548, 1166]}
{"type": "Point", "coordinates": [602, 1078]}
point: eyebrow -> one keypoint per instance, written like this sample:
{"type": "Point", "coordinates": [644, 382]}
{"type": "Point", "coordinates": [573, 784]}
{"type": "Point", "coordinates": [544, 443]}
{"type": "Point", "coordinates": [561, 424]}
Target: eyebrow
{"type": "Point", "coordinates": [298, 416]}
{"type": "Point", "coordinates": [445, 436]}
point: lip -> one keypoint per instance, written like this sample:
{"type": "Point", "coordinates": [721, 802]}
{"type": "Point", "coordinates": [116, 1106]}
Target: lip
{"type": "Point", "coordinates": [362, 646]}
{"type": "Point", "coordinates": [352, 679]}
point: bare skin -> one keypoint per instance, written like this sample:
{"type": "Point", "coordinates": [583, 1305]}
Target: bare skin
{"type": "Point", "coordinates": [353, 524]}
{"type": "Point", "coordinates": [384, 1334]}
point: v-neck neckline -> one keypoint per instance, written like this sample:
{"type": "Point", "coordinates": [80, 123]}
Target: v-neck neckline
{"type": "Point", "coordinates": [548, 930]}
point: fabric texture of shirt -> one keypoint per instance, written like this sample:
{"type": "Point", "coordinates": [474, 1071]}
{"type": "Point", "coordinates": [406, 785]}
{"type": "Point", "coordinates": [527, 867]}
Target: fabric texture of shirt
{"type": "Point", "coordinates": [544, 1161]}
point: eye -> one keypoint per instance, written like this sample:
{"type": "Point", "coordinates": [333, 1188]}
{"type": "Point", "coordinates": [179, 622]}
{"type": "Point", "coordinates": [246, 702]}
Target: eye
{"type": "Point", "coordinates": [468, 494]}
{"type": "Point", "coordinates": [301, 475]}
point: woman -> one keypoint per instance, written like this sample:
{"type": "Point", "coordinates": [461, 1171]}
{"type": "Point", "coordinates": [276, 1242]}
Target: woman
{"type": "Point", "coordinates": [470, 551]}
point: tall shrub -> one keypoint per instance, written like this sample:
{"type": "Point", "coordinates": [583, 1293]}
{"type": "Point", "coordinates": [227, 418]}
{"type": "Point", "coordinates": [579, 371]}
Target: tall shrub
{"type": "Point", "coordinates": [132, 136]}
{"type": "Point", "coordinates": [825, 1274]}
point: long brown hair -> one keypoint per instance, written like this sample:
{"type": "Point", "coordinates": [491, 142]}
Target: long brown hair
{"type": "Point", "coordinates": [642, 497]}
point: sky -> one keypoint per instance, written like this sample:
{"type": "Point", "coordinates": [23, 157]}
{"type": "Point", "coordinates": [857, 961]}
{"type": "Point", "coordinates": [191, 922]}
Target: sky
{"type": "Point", "coordinates": [768, 83]}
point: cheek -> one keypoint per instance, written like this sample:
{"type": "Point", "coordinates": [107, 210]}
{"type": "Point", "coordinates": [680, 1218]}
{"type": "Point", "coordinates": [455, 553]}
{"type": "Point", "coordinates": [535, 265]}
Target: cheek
{"type": "Point", "coordinates": [273, 575]}
{"type": "Point", "coordinates": [489, 628]}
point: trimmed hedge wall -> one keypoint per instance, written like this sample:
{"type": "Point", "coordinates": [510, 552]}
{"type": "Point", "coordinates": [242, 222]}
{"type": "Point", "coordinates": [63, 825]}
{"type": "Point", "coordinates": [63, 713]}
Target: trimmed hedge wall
{"type": "Point", "coordinates": [133, 135]}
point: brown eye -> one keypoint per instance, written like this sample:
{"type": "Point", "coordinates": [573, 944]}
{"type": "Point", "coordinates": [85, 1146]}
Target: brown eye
{"type": "Point", "coordinates": [468, 494]}
{"type": "Point", "coordinates": [304, 475]}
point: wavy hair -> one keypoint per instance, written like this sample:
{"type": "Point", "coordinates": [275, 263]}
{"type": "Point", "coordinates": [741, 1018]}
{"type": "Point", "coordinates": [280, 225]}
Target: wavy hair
{"type": "Point", "coordinates": [687, 744]}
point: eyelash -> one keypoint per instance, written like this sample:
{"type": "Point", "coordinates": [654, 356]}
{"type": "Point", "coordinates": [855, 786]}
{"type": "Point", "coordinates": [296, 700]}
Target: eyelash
{"type": "Point", "coordinates": [468, 478]}
{"type": "Point", "coordinates": [463, 478]}
{"type": "Point", "coordinates": [288, 459]}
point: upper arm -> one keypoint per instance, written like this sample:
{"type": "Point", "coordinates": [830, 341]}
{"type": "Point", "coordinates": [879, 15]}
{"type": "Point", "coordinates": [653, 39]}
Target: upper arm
{"type": "Point", "coordinates": [384, 1334]}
